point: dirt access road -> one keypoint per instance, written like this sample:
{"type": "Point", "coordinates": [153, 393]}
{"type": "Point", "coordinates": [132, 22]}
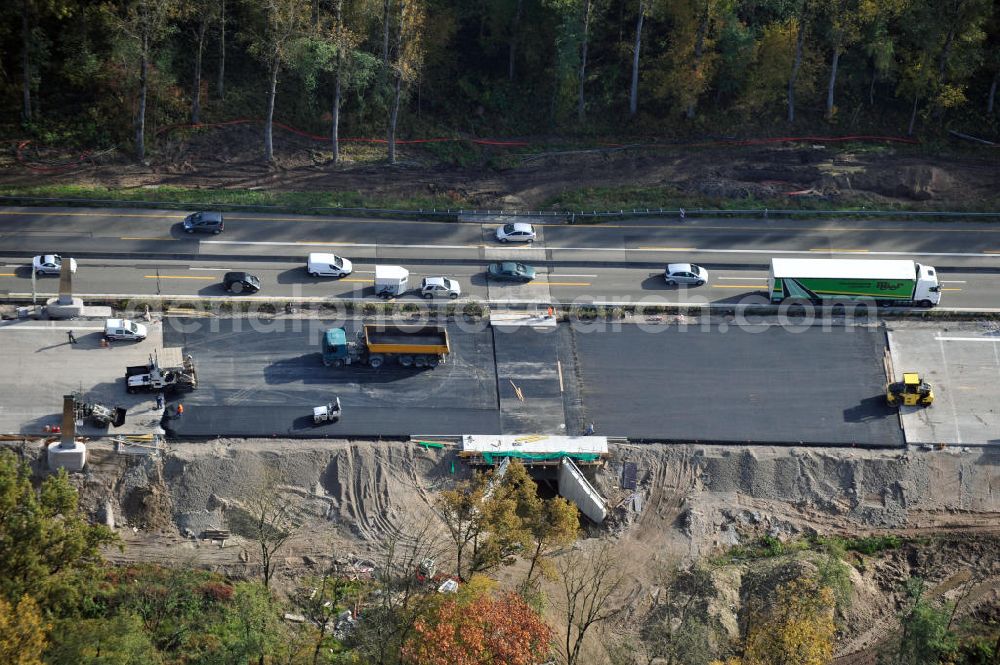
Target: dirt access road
{"type": "Point", "coordinates": [874, 174]}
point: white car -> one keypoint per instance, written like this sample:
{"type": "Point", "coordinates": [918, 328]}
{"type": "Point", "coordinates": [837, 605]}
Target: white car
{"type": "Point", "coordinates": [328, 265]}
{"type": "Point", "coordinates": [516, 232]}
{"type": "Point", "coordinates": [50, 264]}
{"type": "Point", "coordinates": [123, 329]}
{"type": "Point", "coordinates": [440, 287]}
{"type": "Point", "coordinates": [685, 273]}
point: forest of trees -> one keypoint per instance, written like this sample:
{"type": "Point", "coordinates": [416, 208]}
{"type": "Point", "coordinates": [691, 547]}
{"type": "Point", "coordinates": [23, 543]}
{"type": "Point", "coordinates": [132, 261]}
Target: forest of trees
{"type": "Point", "coordinates": [114, 72]}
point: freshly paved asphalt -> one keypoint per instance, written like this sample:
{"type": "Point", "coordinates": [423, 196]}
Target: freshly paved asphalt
{"type": "Point", "coordinates": [747, 242]}
{"type": "Point", "coordinates": [769, 386]}
{"type": "Point", "coordinates": [737, 385]}
{"type": "Point", "coordinates": [262, 381]}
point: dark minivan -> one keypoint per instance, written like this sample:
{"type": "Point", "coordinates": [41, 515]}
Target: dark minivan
{"type": "Point", "coordinates": [204, 222]}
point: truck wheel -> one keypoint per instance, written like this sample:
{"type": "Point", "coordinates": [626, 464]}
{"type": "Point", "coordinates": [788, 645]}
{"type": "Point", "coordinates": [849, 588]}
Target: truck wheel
{"type": "Point", "coordinates": [926, 304]}
{"type": "Point", "coordinates": [338, 363]}
{"type": "Point", "coordinates": [314, 274]}
{"type": "Point", "coordinates": [433, 362]}
{"type": "Point", "coordinates": [420, 361]}
{"type": "Point", "coordinates": [406, 361]}
{"type": "Point", "coordinates": [375, 362]}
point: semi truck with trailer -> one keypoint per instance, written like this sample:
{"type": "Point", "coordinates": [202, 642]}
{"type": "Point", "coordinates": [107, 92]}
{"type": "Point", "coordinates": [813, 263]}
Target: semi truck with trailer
{"type": "Point", "coordinates": [885, 282]}
{"type": "Point", "coordinates": [410, 346]}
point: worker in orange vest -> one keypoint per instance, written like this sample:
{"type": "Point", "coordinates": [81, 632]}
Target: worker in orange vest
{"type": "Point", "coordinates": [180, 409]}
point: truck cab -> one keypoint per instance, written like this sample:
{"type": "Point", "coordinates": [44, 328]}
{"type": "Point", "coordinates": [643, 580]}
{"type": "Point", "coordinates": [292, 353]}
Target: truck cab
{"type": "Point", "coordinates": [336, 351]}
{"type": "Point", "coordinates": [927, 292]}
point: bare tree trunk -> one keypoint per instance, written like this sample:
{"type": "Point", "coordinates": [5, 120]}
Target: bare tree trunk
{"type": "Point", "coordinates": [140, 120]}
{"type": "Point", "coordinates": [314, 19]}
{"type": "Point", "coordinates": [581, 102]}
{"type": "Point", "coordinates": [833, 81]}
{"type": "Point", "coordinates": [268, 121]}
{"type": "Point", "coordinates": [386, 5]}
{"type": "Point", "coordinates": [871, 86]}
{"type": "Point", "coordinates": [799, 41]}
{"type": "Point", "coordinates": [993, 92]}
{"type": "Point", "coordinates": [699, 46]}
{"type": "Point", "coordinates": [393, 117]}
{"type": "Point", "coordinates": [913, 116]}
{"type": "Point", "coordinates": [513, 40]}
{"type": "Point", "coordinates": [335, 112]}
{"type": "Point", "coordinates": [26, 60]}
{"type": "Point", "coordinates": [221, 85]}
{"type": "Point", "coordinates": [633, 97]}
{"type": "Point", "coordinates": [196, 91]}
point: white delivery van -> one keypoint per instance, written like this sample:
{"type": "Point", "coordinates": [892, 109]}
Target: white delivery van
{"type": "Point", "coordinates": [328, 265]}
{"type": "Point", "coordinates": [123, 329]}
{"type": "Point", "coordinates": [390, 281]}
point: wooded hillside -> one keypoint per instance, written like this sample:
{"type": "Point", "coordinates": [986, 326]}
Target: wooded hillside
{"type": "Point", "coordinates": [115, 72]}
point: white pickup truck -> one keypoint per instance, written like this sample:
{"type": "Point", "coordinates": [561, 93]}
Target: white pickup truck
{"type": "Point", "coordinates": [124, 329]}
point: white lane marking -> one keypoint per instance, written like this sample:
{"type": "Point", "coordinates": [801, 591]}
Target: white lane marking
{"type": "Point", "coordinates": [15, 326]}
{"type": "Point", "coordinates": [953, 281]}
{"type": "Point", "coordinates": [968, 339]}
{"type": "Point", "coordinates": [743, 279]}
{"type": "Point", "coordinates": [213, 269]}
{"type": "Point", "coordinates": [601, 249]}
{"type": "Point", "coordinates": [562, 275]}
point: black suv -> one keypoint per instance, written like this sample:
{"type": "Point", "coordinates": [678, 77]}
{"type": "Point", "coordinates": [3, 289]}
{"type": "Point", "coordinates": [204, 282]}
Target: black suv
{"type": "Point", "coordinates": [205, 222]}
{"type": "Point", "coordinates": [238, 282]}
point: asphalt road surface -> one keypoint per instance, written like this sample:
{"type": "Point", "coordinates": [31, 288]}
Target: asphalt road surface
{"type": "Point", "coordinates": [736, 385]}
{"type": "Point", "coordinates": [748, 242]}
{"type": "Point", "coordinates": [96, 277]}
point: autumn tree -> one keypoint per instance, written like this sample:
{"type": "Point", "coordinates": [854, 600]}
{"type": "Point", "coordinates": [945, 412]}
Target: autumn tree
{"type": "Point", "coordinates": [265, 518]}
{"type": "Point", "coordinates": [145, 23]}
{"type": "Point", "coordinates": [405, 57]}
{"type": "Point", "coordinates": [485, 630]}
{"type": "Point", "coordinates": [589, 582]}
{"type": "Point", "coordinates": [22, 632]}
{"type": "Point", "coordinates": [797, 627]}
{"type": "Point", "coordinates": [283, 22]}
{"type": "Point", "coordinates": [48, 550]}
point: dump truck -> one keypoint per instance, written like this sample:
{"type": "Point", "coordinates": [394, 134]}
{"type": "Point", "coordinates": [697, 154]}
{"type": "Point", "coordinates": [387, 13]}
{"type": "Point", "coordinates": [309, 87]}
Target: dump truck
{"type": "Point", "coordinates": [173, 374]}
{"type": "Point", "coordinates": [410, 346]}
{"type": "Point", "coordinates": [885, 282]}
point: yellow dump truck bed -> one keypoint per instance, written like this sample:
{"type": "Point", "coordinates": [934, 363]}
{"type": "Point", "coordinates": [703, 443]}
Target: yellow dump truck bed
{"type": "Point", "coordinates": [431, 340]}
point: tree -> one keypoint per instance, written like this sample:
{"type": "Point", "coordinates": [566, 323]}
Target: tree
{"type": "Point", "coordinates": [801, 26]}
{"type": "Point", "coordinates": [116, 640]}
{"type": "Point", "coordinates": [484, 523]}
{"type": "Point", "coordinates": [320, 603]}
{"type": "Point", "coordinates": [48, 551]}
{"type": "Point", "coordinates": [202, 12]}
{"type": "Point", "coordinates": [484, 631]}
{"type": "Point", "coordinates": [265, 518]}
{"type": "Point", "coordinates": [284, 21]}
{"type": "Point", "coordinates": [250, 630]}
{"type": "Point", "coordinates": [589, 582]}
{"type": "Point", "coordinates": [405, 59]}
{"type": "Point", "coordinates": [633, 97]}
{"type": "Point", "coordinates": [146, 23]}
{"type": "Point", "coordinates": [221, 80]}
{"type": "Point", "coordinates": [926, 633]}
{"type": "Point", "coordinates": [796, 628]}
{"type": "Point", "coordinates": [22, 632]}
{"type": "Point", "coordinates": [680, 627]}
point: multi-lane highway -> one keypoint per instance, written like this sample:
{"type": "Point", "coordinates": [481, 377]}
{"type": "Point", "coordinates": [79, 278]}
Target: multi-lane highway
{"type": "Point", "coordinates": [146, 253]}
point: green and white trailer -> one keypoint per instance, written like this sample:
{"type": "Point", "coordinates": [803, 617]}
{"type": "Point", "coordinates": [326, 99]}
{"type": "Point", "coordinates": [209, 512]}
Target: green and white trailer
{"type": "Point", "coordinates": [886, 282]}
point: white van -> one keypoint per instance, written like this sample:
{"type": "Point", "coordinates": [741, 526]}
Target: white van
{"type": "Point", "coordinates": [123, 329]}
{"type": "Point", "coordinates": [390, 281]}
{"type": "Point", "coordinates": [328, 265]}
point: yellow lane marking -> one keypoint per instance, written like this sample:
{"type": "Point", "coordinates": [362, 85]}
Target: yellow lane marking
{"type": "Point", "coordinates": [832, 249]}
{"type": "Point", "coordinates": [145, 238]}
{"type": "Point", "coordinates": [7, 274]}
{"type": "Point", "coordinates": [669, 249]}
{"type": "Point", "coordinates": [736, 286]}
{"type": "Point", "coordinates": [207, 279]}
{"type": "Point", "coordinates": [360, 281]}
{"type": "Point", "coordinates": [951, 289]}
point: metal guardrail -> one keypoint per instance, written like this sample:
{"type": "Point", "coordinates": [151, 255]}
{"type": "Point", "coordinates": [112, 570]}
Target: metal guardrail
{"type": "Point", "coordinates": [571, 216]}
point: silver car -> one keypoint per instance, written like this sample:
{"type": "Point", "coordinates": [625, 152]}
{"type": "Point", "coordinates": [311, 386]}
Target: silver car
{"type": "Point", "coordinates": [516, 232]}
{"type": "Point", "coordinates": [440, 287]}
{"type": "Point", "coordinates": [50, 264]}
{"type": "Point", "coordinates": [685, 273]}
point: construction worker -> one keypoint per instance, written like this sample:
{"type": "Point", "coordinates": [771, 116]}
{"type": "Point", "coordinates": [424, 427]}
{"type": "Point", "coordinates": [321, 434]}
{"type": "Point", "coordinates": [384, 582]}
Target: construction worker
{"type": "Point", "coordinates": [159, 401]}
{"type": "Point", "coordinates": [72, 337]}
{"type": "Point", "coordinates": [180, 410]}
